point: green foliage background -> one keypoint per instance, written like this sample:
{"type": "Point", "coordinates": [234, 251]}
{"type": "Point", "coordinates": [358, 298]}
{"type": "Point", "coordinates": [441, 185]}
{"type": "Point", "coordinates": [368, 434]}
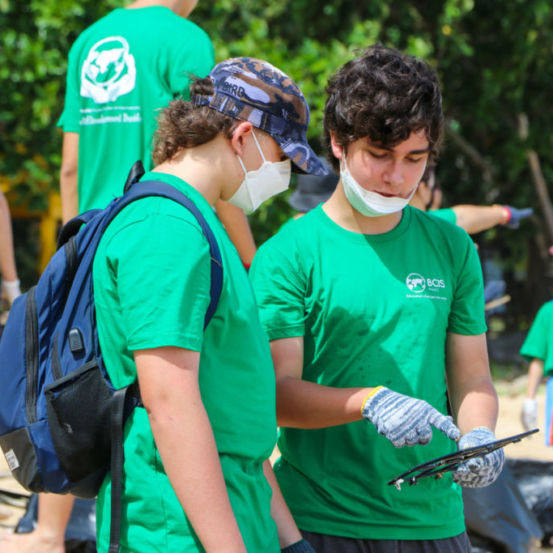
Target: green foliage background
{"type": "Point", "coordinates": [494, 61]}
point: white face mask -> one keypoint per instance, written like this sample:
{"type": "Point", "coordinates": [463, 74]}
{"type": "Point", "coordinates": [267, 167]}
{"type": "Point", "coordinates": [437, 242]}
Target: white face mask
{"type": "Point", "coordinates": [370, 203]}
{"type": "Point", "coordinates": [263, 183]}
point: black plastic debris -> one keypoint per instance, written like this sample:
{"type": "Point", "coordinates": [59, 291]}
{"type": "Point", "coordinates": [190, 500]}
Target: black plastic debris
{"type": "Point", "coordinates": [498, 518]}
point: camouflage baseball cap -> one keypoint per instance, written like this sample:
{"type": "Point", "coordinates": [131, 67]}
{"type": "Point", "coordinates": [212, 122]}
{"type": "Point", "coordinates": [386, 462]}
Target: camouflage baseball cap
{"type": "Point", "coordinates": [254, 90]}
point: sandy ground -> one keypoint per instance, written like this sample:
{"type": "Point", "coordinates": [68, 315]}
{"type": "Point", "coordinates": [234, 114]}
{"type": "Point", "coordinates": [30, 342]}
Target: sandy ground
{"type": "Point", "coordinates": [510, 402]}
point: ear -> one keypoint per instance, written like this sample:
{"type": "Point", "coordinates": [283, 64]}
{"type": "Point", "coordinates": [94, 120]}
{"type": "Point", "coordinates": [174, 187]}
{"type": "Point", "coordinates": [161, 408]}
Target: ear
{"type": "Point", "coordinates": [337, 149]}
{"type": "Point", "coordinates": [241, 131]}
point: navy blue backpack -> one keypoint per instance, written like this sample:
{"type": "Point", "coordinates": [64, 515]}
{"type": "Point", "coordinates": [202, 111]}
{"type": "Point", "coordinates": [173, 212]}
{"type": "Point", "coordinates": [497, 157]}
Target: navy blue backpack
{"type": "Point", "coordinates": [61, 420]}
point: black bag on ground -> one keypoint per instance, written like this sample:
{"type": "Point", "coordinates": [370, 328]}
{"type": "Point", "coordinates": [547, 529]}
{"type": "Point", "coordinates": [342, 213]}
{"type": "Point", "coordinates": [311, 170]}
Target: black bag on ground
{"type": "Point", "coordinates": [535, 480]}
{"type": "Point", "coordinates": [498, 518]}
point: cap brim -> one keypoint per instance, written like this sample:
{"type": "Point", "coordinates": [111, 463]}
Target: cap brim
{"type": "Point", "coordinates": [306, 202]}
{"type": "Point", "coordinates": [304, 159]}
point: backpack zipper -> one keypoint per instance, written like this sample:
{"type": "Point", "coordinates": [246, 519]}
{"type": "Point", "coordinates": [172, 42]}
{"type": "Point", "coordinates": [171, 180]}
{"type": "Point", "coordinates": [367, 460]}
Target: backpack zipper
{"type": "Point", "coordinates": [31, 355]}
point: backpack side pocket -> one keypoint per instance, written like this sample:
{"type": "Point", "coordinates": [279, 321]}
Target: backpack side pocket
{"type": "Point", "coordinates": [78, 409]}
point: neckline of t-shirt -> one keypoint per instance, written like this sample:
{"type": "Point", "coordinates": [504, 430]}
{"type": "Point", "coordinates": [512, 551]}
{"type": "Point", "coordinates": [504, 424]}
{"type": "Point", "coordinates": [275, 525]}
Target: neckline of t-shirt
{"type": "Point", "coordinates": [181, 185]}
{"type": "Point", "coordinates": [397, 231]}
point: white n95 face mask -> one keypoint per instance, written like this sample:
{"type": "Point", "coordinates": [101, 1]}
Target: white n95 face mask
{"type": "Point", "coordinates": [263, 183]}
{"type": "Point", "coordinates": [370, 203]}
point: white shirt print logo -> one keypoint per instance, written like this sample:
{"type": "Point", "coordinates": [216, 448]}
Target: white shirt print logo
{"type": "Point", "coordinates": [422, 287]}
{"type": "Point", "coordinates": [109, 70]}
{"type": "Point", "coordinates": [415, 283]}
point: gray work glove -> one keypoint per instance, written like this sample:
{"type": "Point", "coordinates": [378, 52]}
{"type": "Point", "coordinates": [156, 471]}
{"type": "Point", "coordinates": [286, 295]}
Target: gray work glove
{"type": "Point", "coordinates": [516, 215]}
{"type": "Point", "coordinates": [404, 420]}
{"type": "Point", "coordinates": [301, 546]}
{"type": "Point", "coordinates": [494, 289]}
{"type": "Point", "coordinates": [529, 414]}
{"type": "Point", "coordinates": [480, 471]}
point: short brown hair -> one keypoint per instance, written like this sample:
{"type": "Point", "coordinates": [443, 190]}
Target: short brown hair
{"type": "Point", "coordinates": [184, 125]}
{"type": "Point", "coordinates": [384, 95]}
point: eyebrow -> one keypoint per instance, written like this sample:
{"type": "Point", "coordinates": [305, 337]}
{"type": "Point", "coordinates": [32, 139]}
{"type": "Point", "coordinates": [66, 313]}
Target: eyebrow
{"type": "Point", "coordinates": [390, 149]}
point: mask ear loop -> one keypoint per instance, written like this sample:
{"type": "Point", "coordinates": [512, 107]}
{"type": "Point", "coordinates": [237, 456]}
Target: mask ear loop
{"type": "Point", "coordinates": [260, 151]}
{"type": "Point", "coordinates": [242, 165]}
{"type": "Point", "coordinates": [343, 161]}
{"type": "Point", "coordinates": [259, 147]}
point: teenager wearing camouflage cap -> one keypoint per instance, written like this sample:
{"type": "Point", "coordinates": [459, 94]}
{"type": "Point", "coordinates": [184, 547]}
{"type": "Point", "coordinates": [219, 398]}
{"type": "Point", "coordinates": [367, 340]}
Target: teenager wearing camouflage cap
{"type": "Point", "coordinates": [196, 474]}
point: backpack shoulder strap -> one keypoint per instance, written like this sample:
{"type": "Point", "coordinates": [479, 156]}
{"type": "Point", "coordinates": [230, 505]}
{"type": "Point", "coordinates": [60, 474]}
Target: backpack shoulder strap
{"type": "Point", "coordinates": [135, 174]}
{"type": "Point", "coordinates": [73, 225]}
{"type": "Point", "coordinates": [144, 189]}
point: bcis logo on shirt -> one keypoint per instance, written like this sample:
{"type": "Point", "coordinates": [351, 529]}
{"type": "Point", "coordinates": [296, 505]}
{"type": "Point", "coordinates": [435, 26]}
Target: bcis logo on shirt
{"type": "Point", "coordinates": [425, 287]}
{"type": "Point", "coordinates": [109, 70]}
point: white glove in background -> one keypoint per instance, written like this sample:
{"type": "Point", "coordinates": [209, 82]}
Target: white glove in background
{"type": "Point", "coordinates": [10, 290]}
{"type": "Point", "coordinates": [529, 414]}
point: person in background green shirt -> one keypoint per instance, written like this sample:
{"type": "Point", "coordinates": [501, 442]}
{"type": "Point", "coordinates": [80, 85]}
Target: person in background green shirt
{"type": "Point", "coordinates": [538, 350]}
{"type": "Point", "coordinates": [122, 70]}
{"type": "Point", "coordinates": [472, 218]}
{"type": "Point", "coordinates": [375, 312]}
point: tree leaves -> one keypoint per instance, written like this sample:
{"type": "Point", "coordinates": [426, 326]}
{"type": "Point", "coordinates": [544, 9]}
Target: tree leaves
{"type": "Point", "coordinates": [494, 62]}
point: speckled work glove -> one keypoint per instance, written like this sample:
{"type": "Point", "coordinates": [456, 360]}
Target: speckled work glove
{"type": "Point", "coordinates": [301, 546]}
{"type": "Point", "coordinates": [405, 420]}
{"type": "Point", "coordinates": [529, 414]}
{"type": "Point", "coordinates": [480, 471]}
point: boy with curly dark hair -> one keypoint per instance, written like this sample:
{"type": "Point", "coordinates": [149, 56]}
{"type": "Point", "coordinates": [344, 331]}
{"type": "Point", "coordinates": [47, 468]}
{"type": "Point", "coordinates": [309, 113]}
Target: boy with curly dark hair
{"type": "Point", "coordinates": [375, 311]}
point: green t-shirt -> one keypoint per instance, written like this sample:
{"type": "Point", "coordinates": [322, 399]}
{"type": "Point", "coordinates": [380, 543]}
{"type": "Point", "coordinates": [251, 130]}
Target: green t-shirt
{"type": "Point", "coordinates": [539, 338]}
{"type": "Point", "coordinates": [121, 71]}
{"type": "Point", "coordinates": [447, 214]}
{"type": "Point", "coordinates": [372, 310]}
{"type": "Point", "coordinates": [151, 278]}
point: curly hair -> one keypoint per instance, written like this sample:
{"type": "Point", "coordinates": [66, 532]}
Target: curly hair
{"type": "Point", "coordinates": [184, 125]}
{"type": "Point", "coordinates": [384, 95]}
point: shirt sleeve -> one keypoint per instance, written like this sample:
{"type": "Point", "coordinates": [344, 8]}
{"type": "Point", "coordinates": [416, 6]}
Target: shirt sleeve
{"type": "Point", "coordinates": [467, 314]}
{"type": "Point", "coordinates": [195, 58]}
{"type": "Point", "coordinates": [70, 117]}
{"type": "Point", "coordinates": [279, 288]}
{"type": "Point", "coordinates": [162, 272]}
{"type": "Point", "coordinates": [536, 342]}
{"type": "Point", "coordinates": [446, 214]}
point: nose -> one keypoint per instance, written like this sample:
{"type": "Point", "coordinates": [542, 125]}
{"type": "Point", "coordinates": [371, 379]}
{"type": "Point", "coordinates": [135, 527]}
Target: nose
{"type": "Point", "coordinates": [394, 174]}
